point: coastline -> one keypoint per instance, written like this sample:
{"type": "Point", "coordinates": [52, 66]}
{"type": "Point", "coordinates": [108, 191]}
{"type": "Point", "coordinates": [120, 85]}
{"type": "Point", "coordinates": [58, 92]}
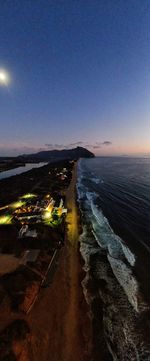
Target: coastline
{"type": "Point", "coordinates": [58, 324]}
{"type": "Point", "coordinates": [77, 317]}
{"type": "Point", "coordinates": [117, 266]}
{"type": "Point", "coordinates": [67, 326]}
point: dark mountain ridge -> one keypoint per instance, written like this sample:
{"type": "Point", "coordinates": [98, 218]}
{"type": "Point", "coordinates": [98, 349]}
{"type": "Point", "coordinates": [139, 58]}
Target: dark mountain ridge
{"type": "Point", "coordinates": [47, 155]}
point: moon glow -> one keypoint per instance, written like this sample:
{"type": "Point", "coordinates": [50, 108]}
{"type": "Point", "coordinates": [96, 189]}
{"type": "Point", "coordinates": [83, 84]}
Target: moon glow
{"type": "Point", "coordinates": [4, 78]}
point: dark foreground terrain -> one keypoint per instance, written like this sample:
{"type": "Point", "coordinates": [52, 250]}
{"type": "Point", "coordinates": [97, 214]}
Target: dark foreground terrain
{"type": "Point", "coordinates": [43, 311]}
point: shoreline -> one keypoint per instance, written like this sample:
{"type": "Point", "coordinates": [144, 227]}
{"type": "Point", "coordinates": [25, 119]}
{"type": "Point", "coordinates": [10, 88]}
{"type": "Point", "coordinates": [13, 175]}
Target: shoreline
{"type": "Point", "coordinates": [58, 324]}
{"type": "Point", "coordinates": [74, 230]}
{"type": "Point", "coordinates": [67, 326]}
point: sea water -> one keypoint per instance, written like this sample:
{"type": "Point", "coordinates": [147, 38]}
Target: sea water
{"type": "Point", "coordinates": [114, 199]}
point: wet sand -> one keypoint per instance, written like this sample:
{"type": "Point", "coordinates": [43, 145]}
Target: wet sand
{"type": "Point", "coordinates": [61, 328]}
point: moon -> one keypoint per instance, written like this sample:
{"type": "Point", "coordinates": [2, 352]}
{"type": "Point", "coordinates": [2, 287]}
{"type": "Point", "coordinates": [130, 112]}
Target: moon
{"type": "Point", "coordinates": [4, 78]}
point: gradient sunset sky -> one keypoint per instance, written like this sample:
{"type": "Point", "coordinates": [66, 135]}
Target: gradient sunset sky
{"type": "Point", "coordinates": [79, 75]}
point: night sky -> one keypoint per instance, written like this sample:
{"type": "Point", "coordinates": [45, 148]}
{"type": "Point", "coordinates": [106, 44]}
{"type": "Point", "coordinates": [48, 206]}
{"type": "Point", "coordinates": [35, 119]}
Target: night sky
{"type": "Point", "coordinates": [79, 75]}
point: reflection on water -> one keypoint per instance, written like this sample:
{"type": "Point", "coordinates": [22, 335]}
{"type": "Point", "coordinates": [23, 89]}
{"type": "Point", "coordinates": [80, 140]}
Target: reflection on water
{"type": "Point", "coordinates": [19, 170]}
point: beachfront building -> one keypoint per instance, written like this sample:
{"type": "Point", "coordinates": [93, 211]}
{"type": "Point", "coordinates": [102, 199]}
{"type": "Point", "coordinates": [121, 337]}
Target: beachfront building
{"type": "Point", "coordinates": [32, 209]}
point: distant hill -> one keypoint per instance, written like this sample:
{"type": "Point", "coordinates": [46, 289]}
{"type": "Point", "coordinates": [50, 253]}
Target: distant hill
{"type": "Point", "coordinates": [48, 155]}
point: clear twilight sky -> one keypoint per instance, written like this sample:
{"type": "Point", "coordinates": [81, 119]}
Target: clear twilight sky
{"type": "Point", "coordinates": [79, 75]}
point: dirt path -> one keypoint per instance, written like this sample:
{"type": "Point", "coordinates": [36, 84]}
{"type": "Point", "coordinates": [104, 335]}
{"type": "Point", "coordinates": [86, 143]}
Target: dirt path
{"type": "Point", "coordinates": [59, 321]}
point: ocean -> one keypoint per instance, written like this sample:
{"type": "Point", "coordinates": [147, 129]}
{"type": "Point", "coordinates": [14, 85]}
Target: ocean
{"type": "Point", "coordinates": [114, 199]}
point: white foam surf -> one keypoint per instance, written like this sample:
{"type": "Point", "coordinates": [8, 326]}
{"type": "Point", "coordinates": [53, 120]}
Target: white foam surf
{"type": "Point", "coordinates": [120, 257]}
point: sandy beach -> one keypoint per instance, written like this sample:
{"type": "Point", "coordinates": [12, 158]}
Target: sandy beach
{"type": "Point", "coordinates": [61, 328]}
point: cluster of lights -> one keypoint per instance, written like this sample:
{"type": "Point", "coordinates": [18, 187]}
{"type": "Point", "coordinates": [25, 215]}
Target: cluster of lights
{"type": "Point", "coordinates": [50, 215]}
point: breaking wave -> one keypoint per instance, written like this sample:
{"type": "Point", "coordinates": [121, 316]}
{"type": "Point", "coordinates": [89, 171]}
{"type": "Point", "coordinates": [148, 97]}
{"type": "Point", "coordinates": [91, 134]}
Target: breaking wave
{"type": "Point", "coordinates": [112, 262]}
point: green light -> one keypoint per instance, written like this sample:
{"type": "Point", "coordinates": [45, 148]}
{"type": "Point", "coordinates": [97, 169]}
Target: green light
{"type": "Point", "coordinates": [17, 204]}
{"type": "Point", "coordinates": [29, 195]}
{"type": "Point", "coordinates": [5, 219]}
